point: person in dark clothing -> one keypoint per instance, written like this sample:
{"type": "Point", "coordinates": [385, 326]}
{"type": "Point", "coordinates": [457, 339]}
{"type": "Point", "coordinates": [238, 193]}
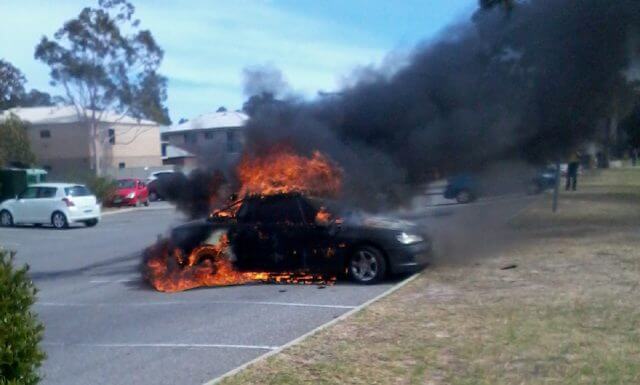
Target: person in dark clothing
{"type": "Point", "coordinates": [572, 172]}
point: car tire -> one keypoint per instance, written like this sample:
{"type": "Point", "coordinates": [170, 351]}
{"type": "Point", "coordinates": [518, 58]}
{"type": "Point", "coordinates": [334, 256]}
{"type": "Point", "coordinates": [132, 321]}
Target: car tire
{"type": "Point", "coordinates": [367, 265]}
{"type": "Point", "coordinates": [465, 196]}
{"type": "Point", "coordinates": [6, 219]}
{"type": "Point", "coordinates": [59, 220]}
{"type": "Point", "coordinates": [91, 222]}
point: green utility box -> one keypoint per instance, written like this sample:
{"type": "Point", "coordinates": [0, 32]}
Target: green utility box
{"type": "Point", "coordinates": [14, 180]}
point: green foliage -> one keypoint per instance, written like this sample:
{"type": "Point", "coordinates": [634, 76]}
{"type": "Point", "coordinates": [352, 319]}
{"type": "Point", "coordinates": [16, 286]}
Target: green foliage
{"type": "Point", "coordinates": [11, 85]}
{"type": "Point", "coordinates": [13, 93]}
{"type": "Point", "coordinates": [14, 143]}
{"type": "Point", "coordinates": [102, 187]}
{"type": "Point", "coordinates": [105, 62]}
{"type": "Point", "coordinates": [20, 330]}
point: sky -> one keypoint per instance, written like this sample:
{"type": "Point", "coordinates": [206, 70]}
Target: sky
{"type": "Point", "coordinates": [316, 44]}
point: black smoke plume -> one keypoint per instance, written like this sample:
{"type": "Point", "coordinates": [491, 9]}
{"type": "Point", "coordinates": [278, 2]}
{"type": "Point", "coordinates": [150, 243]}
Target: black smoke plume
{"type": "Point", "coordinates": [530, 81]}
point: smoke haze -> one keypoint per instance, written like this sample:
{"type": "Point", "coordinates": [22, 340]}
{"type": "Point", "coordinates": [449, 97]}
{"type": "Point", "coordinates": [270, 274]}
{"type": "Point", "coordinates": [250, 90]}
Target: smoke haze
{"type": "Point", "coordinates": [529, 84]}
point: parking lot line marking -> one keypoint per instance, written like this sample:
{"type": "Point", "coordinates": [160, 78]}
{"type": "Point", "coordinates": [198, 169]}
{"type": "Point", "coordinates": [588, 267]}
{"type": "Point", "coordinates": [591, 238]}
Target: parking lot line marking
{"type": "Point", "coordinates": [162, 345]}
{"type": "Point", "coordinates": [313, 331]}
{"type": "Point", "coordinates": [173, 303]}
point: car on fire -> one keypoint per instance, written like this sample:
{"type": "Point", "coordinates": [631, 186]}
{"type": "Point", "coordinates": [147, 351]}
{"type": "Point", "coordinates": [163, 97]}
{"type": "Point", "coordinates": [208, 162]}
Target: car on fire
{"type": "Point", "coordinates": [293, 232]}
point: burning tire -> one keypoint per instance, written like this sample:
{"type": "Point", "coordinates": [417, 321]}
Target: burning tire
{"type": "Point", "coordinates": [367, 265]}
{"type": "Point", "coordinates": [207, 259]}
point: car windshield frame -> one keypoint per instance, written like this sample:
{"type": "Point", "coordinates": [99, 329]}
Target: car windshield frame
{"type": "Point", "coordinates": [126, 183]}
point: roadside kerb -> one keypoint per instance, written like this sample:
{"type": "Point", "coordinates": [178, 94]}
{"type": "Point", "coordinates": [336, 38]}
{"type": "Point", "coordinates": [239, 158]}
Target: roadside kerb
{"type": "Point", "coordinates": [128, 210]}
{"type": "Point", "coordinates": [312, 332]}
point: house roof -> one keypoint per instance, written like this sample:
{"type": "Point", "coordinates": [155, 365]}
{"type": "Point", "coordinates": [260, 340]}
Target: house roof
{"type": "Point", "coordinates": [226, 119]}
{"type": "Point", "coordinates": [176, 152]}
{"type": "Point", "coordinates": [65, 114]}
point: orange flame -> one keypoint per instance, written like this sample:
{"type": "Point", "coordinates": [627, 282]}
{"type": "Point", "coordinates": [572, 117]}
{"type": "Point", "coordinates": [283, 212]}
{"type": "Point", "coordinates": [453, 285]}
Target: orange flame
{"type": "Point", "coordinates": [209, 265]}
{"type": "Point", "coordinates": [323, 217]}
{"type": "Point", "coordinates": [278, 171]}
{"type": "Point", "coordinates": [282, 171]}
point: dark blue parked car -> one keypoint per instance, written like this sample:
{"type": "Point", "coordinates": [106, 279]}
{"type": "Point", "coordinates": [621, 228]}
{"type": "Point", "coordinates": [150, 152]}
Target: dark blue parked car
{"type": "Point", "coordinates": [466, 188]}
{"type": "Point", "coordinates": [463, 188]}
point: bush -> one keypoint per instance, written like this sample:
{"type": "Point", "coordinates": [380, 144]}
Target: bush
{"type": "Point", "coordinates": [20, 330]}
{"type": "Point", "coordinates": [102, 187]}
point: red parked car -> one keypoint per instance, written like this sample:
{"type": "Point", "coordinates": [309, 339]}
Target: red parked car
{"type": "Point", "coordinates": [131, 192]}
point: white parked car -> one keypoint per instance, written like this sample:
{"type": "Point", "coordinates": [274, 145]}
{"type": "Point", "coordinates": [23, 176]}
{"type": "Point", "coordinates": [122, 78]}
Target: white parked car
{"type": "Point", "coordinates": [58, 204]}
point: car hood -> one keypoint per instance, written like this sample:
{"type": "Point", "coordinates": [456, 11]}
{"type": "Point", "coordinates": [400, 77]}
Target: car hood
{"type": "Point", "coordinates": [125, 191]}
{"type": "Point", "coordinates": [378, 222]}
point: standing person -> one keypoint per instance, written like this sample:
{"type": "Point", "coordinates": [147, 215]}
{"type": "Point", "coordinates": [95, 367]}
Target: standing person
{"type": "Point", "coordinates": [572, 171]}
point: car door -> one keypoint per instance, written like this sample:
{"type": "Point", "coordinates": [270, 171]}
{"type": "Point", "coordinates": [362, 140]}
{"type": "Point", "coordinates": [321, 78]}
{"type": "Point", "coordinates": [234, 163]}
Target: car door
{"type": "Point", "coordinates": [45, 204]}
{"type": "Point", "coordinates": [281, 227]}
{"type": "Point", "coordinates": [143, 193]}
{"type": "Point", "coordinates": [249, 241]}
{"type": "Point", "coordinates": [320, 247]}
{"type": "Point", "coordinates": [24, 210]}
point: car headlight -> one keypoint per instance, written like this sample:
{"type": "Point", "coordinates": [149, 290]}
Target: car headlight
{"type": "Point", "coordinates": [407, 239]}
{"type": "Point", "coordinates": [131, 195]}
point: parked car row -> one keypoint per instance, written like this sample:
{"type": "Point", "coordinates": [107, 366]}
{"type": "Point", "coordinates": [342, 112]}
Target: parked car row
{"type": "Point", "coordinates": [58, 204]}
{"type": "Point", "coordinates": [62, 204]}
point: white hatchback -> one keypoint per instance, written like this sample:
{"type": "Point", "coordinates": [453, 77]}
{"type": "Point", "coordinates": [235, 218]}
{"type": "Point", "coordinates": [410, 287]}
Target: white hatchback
{"type": "Point", "coordinates": [58, 204]}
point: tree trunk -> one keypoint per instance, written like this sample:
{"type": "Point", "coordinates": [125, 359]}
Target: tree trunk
{"type": "Point", "coordinates": [95, 140]}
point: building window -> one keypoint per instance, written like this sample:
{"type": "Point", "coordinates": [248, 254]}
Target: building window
{"type": "Point", "coordinates": [233, 144]}
{"type": "Point", "coordinates": [45, 134]}
{"type": "Point", "coordinates": [190, 138]}
{"type": "Point", "coordinates": [122, 165]}
{"type": "Point", "coordinates": [164, 149]}
{"type": "Point", "coordinates": [112, 136]}
{"type": "Point", "coordinates": [208, 135]}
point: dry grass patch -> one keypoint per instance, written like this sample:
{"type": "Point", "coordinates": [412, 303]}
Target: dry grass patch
{"type": "Point", "coordinates": [568, 314]}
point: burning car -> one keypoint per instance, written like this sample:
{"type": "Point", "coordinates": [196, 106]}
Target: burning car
{"type": "Point", "coordinates": [282, 232]}
{"type": "Point", "coordinates": [292, 233]}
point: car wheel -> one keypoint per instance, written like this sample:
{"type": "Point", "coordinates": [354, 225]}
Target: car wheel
{"type": "Point", "coordinates": [367, 265]}
{"type": "Point", "coordinates": [91, 222]}
{"type": "Point", "coordinates": [153, 196]}
{"type": "Point", "coordinates": [464, 196]}
{"type": "Point", "coordinates": [6, 220]}
{"type": "Point", "coordinates": [59, 220]}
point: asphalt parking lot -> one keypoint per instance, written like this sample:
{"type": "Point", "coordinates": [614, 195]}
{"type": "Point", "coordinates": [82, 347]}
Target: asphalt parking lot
{"type": "Point", "coordinates": [105, 326]}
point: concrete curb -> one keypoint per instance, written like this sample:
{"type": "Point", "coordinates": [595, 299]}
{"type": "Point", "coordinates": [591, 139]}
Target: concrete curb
{"type": "Point", "coordinates": [128, 210]}
{"type": "Point", "coordinates": [312, 332]}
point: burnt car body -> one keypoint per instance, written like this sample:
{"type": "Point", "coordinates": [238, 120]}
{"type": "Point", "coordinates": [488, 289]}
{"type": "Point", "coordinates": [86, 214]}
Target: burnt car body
{"type": "Point", "coordinates": [281, 233]}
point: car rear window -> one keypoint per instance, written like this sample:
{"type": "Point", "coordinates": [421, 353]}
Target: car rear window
{"type": "Point", "coordinates": [77, 191]}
